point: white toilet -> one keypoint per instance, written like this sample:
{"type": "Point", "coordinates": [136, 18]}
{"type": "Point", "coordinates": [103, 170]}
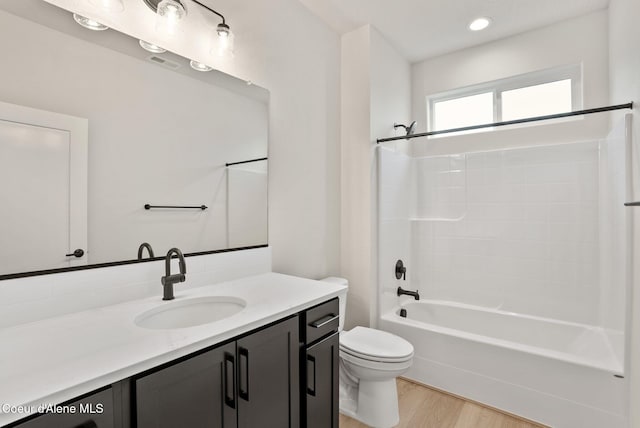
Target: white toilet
{"type": "Point", "coordinates": [370, 361]}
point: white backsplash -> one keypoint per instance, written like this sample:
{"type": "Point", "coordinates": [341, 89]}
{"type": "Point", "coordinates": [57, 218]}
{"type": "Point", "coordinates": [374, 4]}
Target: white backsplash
{"type": "Point", "coordinates": [34, 298]}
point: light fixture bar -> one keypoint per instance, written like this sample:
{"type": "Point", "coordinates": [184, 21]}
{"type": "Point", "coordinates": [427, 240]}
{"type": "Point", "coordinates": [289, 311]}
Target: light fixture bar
{"type": "Point", "coordinates": [167, 22]}
{"type": "Point", "coordinates": [211, 10]}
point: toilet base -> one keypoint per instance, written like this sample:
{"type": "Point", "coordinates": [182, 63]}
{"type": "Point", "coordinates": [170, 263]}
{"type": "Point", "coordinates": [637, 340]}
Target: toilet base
{"type": "Point", "coordinates": [376, 404]}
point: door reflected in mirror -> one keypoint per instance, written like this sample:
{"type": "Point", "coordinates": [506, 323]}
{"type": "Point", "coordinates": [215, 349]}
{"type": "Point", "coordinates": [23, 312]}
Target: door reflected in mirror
{"type": "Point", "coordinates": [156, 132]}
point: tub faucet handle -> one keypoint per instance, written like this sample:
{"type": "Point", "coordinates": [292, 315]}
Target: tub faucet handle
{"type": "Point", "coordinates": [401, 270]}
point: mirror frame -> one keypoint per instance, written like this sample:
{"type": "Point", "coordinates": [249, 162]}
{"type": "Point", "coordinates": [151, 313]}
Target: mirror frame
{"type": "Point", "coordinates": [120, 263]}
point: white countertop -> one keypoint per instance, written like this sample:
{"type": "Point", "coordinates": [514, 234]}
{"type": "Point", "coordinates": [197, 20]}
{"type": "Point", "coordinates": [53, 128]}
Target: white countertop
{"type": "Point", "coordinates": [57, 359]}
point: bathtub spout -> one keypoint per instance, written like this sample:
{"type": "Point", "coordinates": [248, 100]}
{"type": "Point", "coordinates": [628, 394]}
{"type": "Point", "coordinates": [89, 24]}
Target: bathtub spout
{"type": "Point", "coordinates": [415, 294]}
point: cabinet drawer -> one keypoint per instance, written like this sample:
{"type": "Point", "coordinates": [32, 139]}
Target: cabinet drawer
{"type": "Point", "coordinates": [321, 320]}
{"type": "Point", "coordinates": [94, 411]}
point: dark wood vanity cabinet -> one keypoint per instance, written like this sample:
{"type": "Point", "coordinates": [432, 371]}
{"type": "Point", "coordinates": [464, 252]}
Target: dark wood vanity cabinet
{"type": "Point", "coordinates": [252, 382]}
{"type": "Point", "coordinates": [196, 393]}
{"type": "Point", "coordinates": [284, 375]}
{"type": "Point", "coordinates": [268, 377]}
{"type": "Point", "coordinates": [321, 389]}
{"type": "Point", "coordinates": [319, 362]}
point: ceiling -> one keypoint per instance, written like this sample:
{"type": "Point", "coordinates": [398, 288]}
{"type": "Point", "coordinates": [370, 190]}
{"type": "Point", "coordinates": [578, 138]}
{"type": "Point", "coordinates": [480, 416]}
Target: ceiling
{"type": "Point", "coordinates": [421, 29]}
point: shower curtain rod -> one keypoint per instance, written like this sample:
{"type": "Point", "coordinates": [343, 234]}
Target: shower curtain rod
{"type": "Point", "coordinates": [510, 122]}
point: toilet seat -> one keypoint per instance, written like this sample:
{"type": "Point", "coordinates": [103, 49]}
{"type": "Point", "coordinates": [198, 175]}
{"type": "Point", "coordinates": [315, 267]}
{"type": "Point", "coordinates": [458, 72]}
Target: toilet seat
{"type": "Point", "coordinates": [349, 353]}
{"type": "Point", "coordinates": [375, 345]}
{"type": "Point", "coordinates": [381, 365]}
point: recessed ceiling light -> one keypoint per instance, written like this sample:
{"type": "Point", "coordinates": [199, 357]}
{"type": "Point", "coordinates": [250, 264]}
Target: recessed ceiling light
{"type": "Point", "coordinates": [151, 47]}
{"type": "Point", "coordinates": [479, 24]}
{"type": "Point", "coordinates": [198, 66]}
{"type": "Point", "coordinates": [89, 23]}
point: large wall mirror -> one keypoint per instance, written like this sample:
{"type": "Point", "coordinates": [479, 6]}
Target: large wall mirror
{"type": "Point", "coordinates": [93, 128]}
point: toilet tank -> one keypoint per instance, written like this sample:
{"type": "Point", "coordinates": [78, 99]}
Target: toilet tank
{"type": "Point", "coordinates": [342, 298]}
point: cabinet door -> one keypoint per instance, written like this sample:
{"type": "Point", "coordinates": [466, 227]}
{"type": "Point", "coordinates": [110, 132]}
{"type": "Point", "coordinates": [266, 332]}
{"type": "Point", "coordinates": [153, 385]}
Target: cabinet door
{"type": "Point", "coordinates": [268, 377]}
{"type": "Point", "coordinates": [195, 393]}
{"type": "Point", "coordinates": [322, 383]}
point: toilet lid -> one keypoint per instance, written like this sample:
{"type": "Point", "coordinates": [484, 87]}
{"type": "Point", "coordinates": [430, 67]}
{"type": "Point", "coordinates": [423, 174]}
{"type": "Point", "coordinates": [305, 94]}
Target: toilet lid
{"type": "Point", "coordinates": [375, 344]}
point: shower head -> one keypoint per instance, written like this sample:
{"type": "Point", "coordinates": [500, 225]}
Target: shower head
{"type": "Point", "coordinates": [411, 128]}
{"type": "Point", "coordinates": [408, 129]}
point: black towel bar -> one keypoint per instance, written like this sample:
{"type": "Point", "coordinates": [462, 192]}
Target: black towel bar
{"type": "Point", "coordinates": [201, 207]}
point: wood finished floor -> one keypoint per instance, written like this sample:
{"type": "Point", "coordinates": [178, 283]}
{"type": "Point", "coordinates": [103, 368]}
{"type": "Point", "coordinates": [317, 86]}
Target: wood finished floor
{"type": "Point", "coordinates": [422, 407]}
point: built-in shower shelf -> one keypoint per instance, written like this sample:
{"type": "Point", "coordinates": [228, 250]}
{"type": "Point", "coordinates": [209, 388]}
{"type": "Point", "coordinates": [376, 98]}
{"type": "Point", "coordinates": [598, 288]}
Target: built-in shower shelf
{"type": "Point", "coordinates": [417, 219]}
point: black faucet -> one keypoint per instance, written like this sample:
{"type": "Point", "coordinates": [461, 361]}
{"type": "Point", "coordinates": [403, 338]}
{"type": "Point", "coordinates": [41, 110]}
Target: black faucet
{"type": "Point", "coordinates": [149, 250]}
{"type": "Point", "coordinates": [168, 280]}
{"type": "Point", "coordinates": [415, 294]}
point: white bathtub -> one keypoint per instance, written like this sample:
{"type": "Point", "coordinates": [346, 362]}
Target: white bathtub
{"type": "Point", "coordinates": [561, 374]}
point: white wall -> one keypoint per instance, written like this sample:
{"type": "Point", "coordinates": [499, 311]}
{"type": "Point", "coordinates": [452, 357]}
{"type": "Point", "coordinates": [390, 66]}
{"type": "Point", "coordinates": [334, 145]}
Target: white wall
{"type": "Point", "coordinates": [164, 147]}
{"type": "Point", "coordinates": [297, 57]}
{"type": "Point", "coordinates": [624, 45]}
{"type": "Point", "coordinates": [579, 40]}
{"type": "Point", "coordinates": [375, 95]}
{"type": "Point", "coordinates": [356, 190]}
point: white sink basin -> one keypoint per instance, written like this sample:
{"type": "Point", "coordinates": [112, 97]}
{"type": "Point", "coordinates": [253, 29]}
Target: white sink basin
{"type": "Point", "coordinates": [190, 312]}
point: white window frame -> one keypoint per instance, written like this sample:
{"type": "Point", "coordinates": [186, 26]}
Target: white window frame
{"type": "Point", "coordinates": [497, 87]}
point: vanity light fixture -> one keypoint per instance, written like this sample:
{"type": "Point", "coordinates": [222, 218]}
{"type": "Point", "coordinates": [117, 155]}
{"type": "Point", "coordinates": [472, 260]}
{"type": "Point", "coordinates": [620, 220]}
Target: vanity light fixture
{"type": "Point", "coordinates": [89, 23]}
{"type": "Point", "coordinates": [479, 23]}
{"type": "Point", "coordinates": [170, 12]}
{"type": "Point", "coordinates": [198, 66]}
{"type": "Point", "coordinates": [150, 47]}
{"type": "Point", "coordinates": [109, 5]}
{"type": "Point", "coordinates": [223, 45]}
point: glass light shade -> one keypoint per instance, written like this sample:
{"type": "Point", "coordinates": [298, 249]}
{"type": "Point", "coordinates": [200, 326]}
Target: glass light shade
{"type": "Point", "coordinates": [168, 16]}
{"type": "Point", "coordinates": [198, 66]}
{"type": "Point", "coordinates": [223, 43]}
{"type": "Point", "coordinates": [109, 5]}
{"type": "Point", "coordinates": [150, 47]}
{"type": "Point", "coordinates": [89, 23]}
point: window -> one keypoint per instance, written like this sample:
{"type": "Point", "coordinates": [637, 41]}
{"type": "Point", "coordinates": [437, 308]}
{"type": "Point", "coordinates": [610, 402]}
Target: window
{"type": "Point", "coordinates": [463, 111]}
{"type": "Point", "coordinates": [537, 100]}
{"type": "Point", "coordinates": [535, 94]}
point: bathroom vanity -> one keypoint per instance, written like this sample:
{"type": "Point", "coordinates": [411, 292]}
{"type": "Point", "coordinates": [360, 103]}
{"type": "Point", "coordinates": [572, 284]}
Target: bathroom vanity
{"type": "Point", "coordinates": [87, 340]}
{"type": "Point", "coordinates": [272, 364]}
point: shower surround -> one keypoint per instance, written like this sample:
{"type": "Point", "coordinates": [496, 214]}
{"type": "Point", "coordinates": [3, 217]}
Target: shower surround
{"type": "Point", "coordinates": [520, 259]}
